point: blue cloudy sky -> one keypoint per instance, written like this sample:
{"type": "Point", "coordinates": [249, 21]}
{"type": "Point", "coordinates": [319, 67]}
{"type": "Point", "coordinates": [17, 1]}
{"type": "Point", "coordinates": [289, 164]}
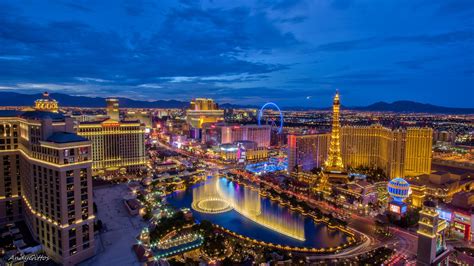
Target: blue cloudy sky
{"type": "Point", "coordinates": [288, 51]}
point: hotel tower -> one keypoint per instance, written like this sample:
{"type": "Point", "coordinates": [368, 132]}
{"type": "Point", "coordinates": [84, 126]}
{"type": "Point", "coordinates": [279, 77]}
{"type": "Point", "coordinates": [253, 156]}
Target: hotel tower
{"type": "Point", "coordinates": [46, 180]}
{"type": "Point", "coordinates": [118, 146]}
{"type": "Point", "coordinates": [202, 110]}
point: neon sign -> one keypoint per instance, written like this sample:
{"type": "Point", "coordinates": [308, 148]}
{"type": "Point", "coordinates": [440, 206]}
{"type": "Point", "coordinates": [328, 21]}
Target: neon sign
{"type": "Point", "coordinates": [445, 215]}
{"type": "Point", "coordinates": [395, 208]}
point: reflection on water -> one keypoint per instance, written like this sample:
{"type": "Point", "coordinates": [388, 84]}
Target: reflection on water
{"type": "Point", "coordinates": [249, 204]}
{"type": "Point", "coordinates": [257, 217]}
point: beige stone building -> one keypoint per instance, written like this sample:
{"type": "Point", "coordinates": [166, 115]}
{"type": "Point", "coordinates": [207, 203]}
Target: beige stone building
{"type": "Point", "coordinates": [117, 146]}
{"type": "Point", "coordinates": [440, 186]}
{"type": "Point", "coordinates": [45, 178]}
{"type": "Point", "coordinates": [399, 152]}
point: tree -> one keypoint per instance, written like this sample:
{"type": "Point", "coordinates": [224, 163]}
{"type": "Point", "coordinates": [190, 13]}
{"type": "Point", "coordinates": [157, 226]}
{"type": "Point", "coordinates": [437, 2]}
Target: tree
{"type": "Point", "coordinates": [206, 226]}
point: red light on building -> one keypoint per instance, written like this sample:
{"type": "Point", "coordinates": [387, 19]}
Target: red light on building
{"type": "Point", "coordinates": [110, 124]}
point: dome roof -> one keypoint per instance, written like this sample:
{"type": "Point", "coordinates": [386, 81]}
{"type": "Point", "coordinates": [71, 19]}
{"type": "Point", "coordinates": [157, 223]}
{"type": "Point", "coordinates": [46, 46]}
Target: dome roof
{"type": "Point", "coordinates": [398, 181]}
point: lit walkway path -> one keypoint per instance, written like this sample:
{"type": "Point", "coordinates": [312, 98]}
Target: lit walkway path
{"type": "Point", "coordinates": [162, 253]}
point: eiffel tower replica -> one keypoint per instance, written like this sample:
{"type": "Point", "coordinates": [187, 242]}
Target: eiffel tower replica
{"type": "Point", "coordinates": [333, 167]}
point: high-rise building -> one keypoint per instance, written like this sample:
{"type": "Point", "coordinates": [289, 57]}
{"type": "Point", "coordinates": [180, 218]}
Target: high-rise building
{"type": "Point", "coordinates": [418, 153]}
{"type": "Point", "coordinates": [242, 151]}
{"type": "Point", "coordinates": [46, 176]}
{"type": "Point", "coordinates": [444, 136]}
{"type": "Point", "coordinates": [259, 134]}
{"type": "Point", "coordinates": [334, 160]}
{"type": "Point", "coordinates": [10, 179]}
{"type": "Point", "coordinates": [113, 109]}
{"type": "Point", "coordinates": [117, 146]}
{"type": "Point", "coordinates": [142, 116]}
{"type": "Point", "coordinates": [375, 146]}
{"type": "Point", "coordinates": [203, 110]}
{"type": "Point", "coordinates": [223, 133]}
{"type": "Point", "coordinates": [432, 248]}
{"type": "Point", "coordinates": [306, 152]}
{"type": "Point", "coordinates": [399, 152]}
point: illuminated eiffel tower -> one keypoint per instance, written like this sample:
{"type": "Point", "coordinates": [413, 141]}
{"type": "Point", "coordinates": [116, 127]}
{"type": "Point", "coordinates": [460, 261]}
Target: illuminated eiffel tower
{"type": "Point", "coordinates": [334, 161]}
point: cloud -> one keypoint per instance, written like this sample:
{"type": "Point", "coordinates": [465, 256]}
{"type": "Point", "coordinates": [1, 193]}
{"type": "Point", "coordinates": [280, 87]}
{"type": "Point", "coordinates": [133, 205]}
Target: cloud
{"type": "Point", "coordinates": [283, 5]}
{"type": "Point", "coordinates": [362, 78]}
{"type": "Point", "coordinates": [359, 44]}
{"type": "Point", "coordinates": [378, 42]}
{"type": "Point", "coordinates": [294, 20]}
{"type": "Point", "coordinates": [76, 6]}
{"type": "Point", "coordinates": [191, 41]}
{"type": "Point", "coordinates": [433, 39]}
{"type": "Point", "coordinates": [14, 57]}
{"type": "Point", "coordinates": [341, 4]}
{"type": "Point", "coordinates": [92, 80]}
{"type": "Point", "coordinates": [416, 63]}
{"type": "Point", "coordinates": [137, 7]}
{"type": "Point", "coordinates": [251, 50]}
{"type": "Point", "coordinates": [456, 7]}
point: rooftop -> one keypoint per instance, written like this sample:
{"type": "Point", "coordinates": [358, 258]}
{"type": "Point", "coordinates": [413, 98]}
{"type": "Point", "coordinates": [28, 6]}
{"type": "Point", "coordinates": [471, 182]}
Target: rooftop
{"type": "Point", "coordinates": [37, 115]}
{"type": "Point", "coordinates": [65, 137]}
{"type": "Point", "coordinates": [42, 115]}
{"type": "Point", "coordinates": [108, 120]}
{"type": "Point", "coordinates": [463, 200]}
{"type": "Point", "coordinates": [10, 113]}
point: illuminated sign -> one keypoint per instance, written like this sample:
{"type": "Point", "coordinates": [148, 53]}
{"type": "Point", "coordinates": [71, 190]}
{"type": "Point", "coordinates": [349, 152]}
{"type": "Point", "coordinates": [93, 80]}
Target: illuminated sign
{"type": "Point", "coordinates": [445, 215]}
{"type": "Point", "coordinates": [110, 124]}
{"type": "Point", "coordinates": [404, 209]}
{"type": "Point", "coordinates": [462, 217]}
{"type": "Point", "coordinates": [460, 226]}
{"type": "Point", "coordinates": [394, 208]}
{"type": "Point", "coordinates": [397, 207]}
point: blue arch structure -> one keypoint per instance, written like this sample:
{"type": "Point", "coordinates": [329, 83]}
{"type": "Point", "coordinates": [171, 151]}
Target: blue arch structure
{"type": "Point", "coordinates": [260, 114]}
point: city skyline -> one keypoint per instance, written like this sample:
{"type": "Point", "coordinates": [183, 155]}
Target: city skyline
{"type": "Point", "coordinates": [163, 186]}
{"type": "Point", "coordinates": [292, 52]}
{"type": "Point", "coordinates": [250, 132]}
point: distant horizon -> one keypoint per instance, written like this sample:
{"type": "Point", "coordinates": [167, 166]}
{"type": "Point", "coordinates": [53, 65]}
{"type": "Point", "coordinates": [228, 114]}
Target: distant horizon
{"type": "Point", "coordinates": [39, 92]}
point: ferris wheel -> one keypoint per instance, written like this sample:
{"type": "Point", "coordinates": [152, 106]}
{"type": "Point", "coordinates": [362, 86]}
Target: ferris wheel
{"type": "Point", "coordinates": [271, 120]}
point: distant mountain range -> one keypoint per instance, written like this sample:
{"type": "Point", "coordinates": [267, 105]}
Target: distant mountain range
{"type": "Point", "coordinates": [16, 99]}
{"type": "Point", "coordinates": [412, 107]}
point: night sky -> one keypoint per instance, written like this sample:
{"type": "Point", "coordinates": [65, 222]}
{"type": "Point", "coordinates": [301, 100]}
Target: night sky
{"type": "Point", "coordinates": [295, 53]}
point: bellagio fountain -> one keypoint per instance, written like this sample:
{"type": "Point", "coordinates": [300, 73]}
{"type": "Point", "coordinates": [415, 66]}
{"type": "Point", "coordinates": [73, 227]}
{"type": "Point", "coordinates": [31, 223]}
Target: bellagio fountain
{"type": "Point", "coordinates": [213, 198]}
